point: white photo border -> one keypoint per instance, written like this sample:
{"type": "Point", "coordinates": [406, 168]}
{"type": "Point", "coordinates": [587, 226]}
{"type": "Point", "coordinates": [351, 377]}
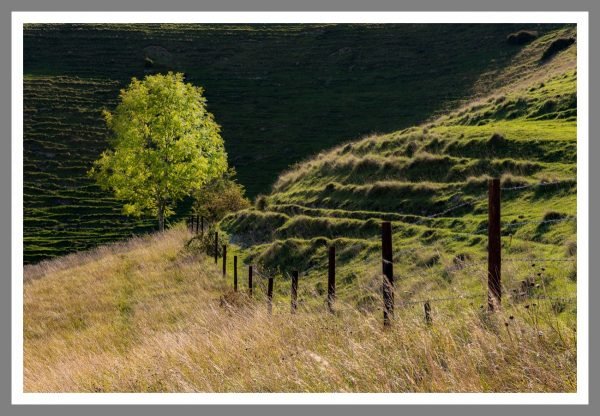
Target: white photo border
{"type": "Point", "coordinates": [579, 18]}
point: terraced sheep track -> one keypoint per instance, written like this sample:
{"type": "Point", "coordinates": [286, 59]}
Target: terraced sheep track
{"type": "Point", "coordinates": [280, 92]}
{"type": "Point", "coordinates": [431, 182]}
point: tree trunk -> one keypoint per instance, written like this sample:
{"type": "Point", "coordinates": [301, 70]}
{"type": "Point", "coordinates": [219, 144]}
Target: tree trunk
{"type": "Point", "coordinates": [161, 217]}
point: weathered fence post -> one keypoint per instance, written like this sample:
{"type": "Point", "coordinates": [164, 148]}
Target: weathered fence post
{"type": "Point", "coordinates": [388, 272]}
{"type": "Point", "coordinates": [294, 292]}
{"type": "Point", "coordinates": [216, 246]}
{"type": "Point", "coordinates": [250, 280]}
{"type": "Point", "coordinates": [191, 223]}
{"type": "Point", "coordinates": [427, 308]}
{"type": "Point", "coordinates": [270, 296]}
{"type": "Point", "coordinates": [494, 245]}
{"type": "Point", "coordinates": [235, 273]}
{"type": "Point", "coordinates": [202, 225]}
{"type": "Point", "coordinates": [197, 223]}
{"type": "Point", "coordinates": [331, 279]}
{"type": "Point", "coordinates": [224, 260]}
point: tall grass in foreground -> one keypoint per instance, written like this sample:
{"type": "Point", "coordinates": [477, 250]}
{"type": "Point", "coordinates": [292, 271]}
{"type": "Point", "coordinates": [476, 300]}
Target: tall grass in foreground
{"type": "Point", "coordinates": [147, 316]}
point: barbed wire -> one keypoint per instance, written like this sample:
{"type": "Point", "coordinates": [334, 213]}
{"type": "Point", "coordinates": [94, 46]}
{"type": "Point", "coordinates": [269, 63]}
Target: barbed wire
{"type": "Point", "coordinates": [406, 250]}
{"type": "Point", "coordinates": [482, 197]}
{"type": "Point", "coordinates": [452, 208]}
{"type": "Point", "coordinates": [457, 268]}
{"type": "Point", "coordinates": [444, 299]}
{"type": "Point", "coordinates": [310, 269]}
{"type": "Point", "coordinates": [532, 185]}
{"type": "Point", "coordinates": [513, 224]}
{"type": "Point", "coordinates": [463, 296]}
{"type": "Point", "coordinates": [533, 260]}
{"type": "Point", "coordinates": [544, 297]}
{"type": "Point", "coordinates": [265, 275]}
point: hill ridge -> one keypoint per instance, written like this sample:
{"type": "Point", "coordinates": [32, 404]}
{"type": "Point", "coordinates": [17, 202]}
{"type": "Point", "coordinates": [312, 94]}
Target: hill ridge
{"type": "Point", "coordinates": [280, 92]}
{"type": "Point", "coordinates": [431, 182]}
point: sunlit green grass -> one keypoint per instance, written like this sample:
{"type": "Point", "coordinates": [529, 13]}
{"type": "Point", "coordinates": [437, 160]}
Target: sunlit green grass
{"type": "Point", "coordinates": [280, 92]}
{"type": "Point", "coordinates": [410, 177]}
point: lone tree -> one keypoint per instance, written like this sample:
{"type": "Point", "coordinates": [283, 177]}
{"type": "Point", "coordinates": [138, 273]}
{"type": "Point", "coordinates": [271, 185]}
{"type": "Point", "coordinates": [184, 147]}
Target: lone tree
{"type": "Point", "coordinates": [165, 146]}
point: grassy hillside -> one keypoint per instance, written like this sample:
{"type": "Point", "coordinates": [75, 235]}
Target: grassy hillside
{"type": "Point", "coordinates": [431, 182]}
{"type": "Point", "coordinates": [155, 314]}
{"type": "Point", "coordinates": [281, 93]}
{"type": "Point", "coordinates": [150, 316]}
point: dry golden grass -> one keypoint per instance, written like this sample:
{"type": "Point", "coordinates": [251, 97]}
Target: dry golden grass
{"type": "Point", "coordinates": [147, 317]}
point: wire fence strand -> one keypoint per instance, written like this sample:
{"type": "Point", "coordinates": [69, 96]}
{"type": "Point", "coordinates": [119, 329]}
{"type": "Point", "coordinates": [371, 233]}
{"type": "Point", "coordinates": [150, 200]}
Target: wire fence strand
{"type": "Point", "coordinates": [456, 266]}
{"type": "Point", "coordinates": [539, 184]}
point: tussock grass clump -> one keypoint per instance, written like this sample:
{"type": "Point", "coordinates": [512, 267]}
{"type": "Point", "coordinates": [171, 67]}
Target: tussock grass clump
{"type": "Point", "coordinates": [435, 145]}
{"type": "Point", "coordinates": [496, 140]}
{"type": "Point", "coordinates": [521, 37]}
{"type": "Point", "coordinates": [290, 254]}
{"type": "Point", "coordinates": [553, 215]}
{"type": "Point", "coordinates": [508, 180]}
{"type": "Point", "coordinates": [251, 226]}
{"type": "Point", "coordinates": [476, 183]}
{"type": "Point", "coordinates": [411, 148]}
{"type": "Point", "coordinates": [428, 260]}
{"type": "Point", "coordinates": [205, 243]}
{"type": "Point", "coordinates": [571, 247]}
{"type": "Point", "coordinates": [494, 168]}
{"type": "Point", "coordinates": [393, 198]}
{"type": "Point", "coordinates": [557, 46]}
{"type": "Point", "coordinates": [391, 188]}
{"type": "Point", "coordinates": [261, 203]}
{"type": "Point", "coordinates": [308, 227]}
{"type": "Point", "coordinates": [423, 161]}
{"type": "Point", "coordinates": [572, 275]}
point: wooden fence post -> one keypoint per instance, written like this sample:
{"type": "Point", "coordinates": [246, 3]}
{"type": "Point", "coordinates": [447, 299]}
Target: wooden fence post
{"type": "Point", "coordinates": [250, 280]}
{"type": "Point", "coordinates": [202, 225]}
{"type": "Point", "coordinates": [235, 273]}
{"type": "Point", "coordinates": [388, 272]}
{"type": "Point", "coordinates": [270, 296]}
{"type": "Point", "coordinates": [294, 292]}
{"type": "Point", "coordinates": [331, 279]}
{"type": "Point", "coordinates": [427, 308]}
{"type": "Point", "coordinates": [224, 260]}
{"type": "Point", "coordinates": [191, 223]}
{"type": "Point", "coordinates": [197, 223]}
{"type": "Point", "coordinates": [494, 245]}
{"type": "Point", "coordinates": [216, 246]}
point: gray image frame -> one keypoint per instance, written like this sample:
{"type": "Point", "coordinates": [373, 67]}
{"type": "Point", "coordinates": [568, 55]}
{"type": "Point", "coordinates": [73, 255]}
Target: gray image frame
{"type": "Point", "coordinates": [7, 6]}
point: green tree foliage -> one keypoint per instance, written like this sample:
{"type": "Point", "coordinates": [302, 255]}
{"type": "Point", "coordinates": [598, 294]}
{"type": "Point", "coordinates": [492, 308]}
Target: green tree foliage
{"type": "Point", "coordinates": [165, 146]}
{"type": "Point", "coordinates": [221, 196]}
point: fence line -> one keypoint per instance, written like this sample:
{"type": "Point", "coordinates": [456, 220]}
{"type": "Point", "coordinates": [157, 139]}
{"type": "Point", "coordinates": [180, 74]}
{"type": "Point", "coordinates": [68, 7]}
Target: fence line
{"type": "Point", "coordinates": [494, 261]}
{"type": "Point", "coordinates": [444, 299]}
{"type": "Point", "coordinates": [463, 266]}
{"type": "Point", "coordinates": [540, 184]}
{"type": "Point", "coordinates": [533, 259]}
{"type": "Point", "coordinates": [480, 198]}
{"type": "Point", "coordinates": [512, 224]}
{"type": "Point", "coordinates": [484, 196]}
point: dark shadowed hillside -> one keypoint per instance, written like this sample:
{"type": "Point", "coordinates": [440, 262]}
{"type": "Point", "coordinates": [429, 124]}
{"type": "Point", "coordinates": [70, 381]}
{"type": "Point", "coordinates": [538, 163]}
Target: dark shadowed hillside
{"type": "Point", "coordinates": [431, 182]}
{"type": "Point", "coordinates": [280, 92]}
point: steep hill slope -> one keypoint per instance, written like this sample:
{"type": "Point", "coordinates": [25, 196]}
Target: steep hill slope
{"type": "Point", "coordinates": [281, 93]}
{"type": "Point", "coordinates": [431, 182]}
{"type": "Point", "coordinates": [150, 316]}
